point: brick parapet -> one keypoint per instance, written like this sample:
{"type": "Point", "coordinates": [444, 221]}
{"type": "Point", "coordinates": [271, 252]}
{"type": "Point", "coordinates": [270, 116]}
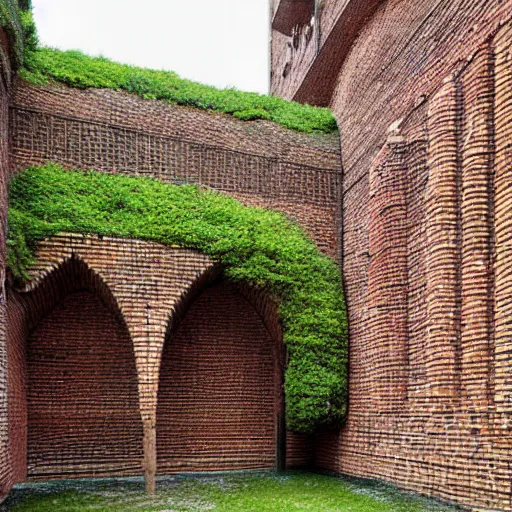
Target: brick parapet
{"type": "Point", "coordinates": [260, 162]}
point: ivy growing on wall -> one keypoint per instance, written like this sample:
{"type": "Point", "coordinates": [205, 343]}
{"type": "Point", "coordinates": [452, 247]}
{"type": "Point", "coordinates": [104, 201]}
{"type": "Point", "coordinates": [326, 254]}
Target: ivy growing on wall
{"type": "Point", "coordinates": [254, 245]}
{"type": "Point", "coordinates": [17, 21]}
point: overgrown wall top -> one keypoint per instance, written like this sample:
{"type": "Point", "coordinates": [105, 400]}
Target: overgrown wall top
{"type": "Point", "coordinates": [260, 163]}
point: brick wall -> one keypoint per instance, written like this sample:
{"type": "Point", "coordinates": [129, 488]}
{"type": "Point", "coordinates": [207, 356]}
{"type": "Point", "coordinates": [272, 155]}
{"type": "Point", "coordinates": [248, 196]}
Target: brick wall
{"type": "Point", "coordinates": [5, 81]}
{"type": "Point", "coordinates": [82, 399]}
{"type": "Point", "coordinates": [17, 334]}
{"type": "Point", "coordinates": [260, 163]}
{"type": "Point", "coordinates": [217, 396]}
{"type": "Point", "coordinates": [152, 286]}
{"type": "Point", "coordinates": [137, 340]}
{"type": "Point", "coordinates": [425, 135]}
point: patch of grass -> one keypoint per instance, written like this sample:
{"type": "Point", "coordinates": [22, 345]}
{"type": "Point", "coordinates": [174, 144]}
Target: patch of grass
{"type": "Point", "coordinates": [254, 245]}
{"type": "Point", "coordinates": [76, 69]}
{"type": "Point", "coordinates": [230, 493]}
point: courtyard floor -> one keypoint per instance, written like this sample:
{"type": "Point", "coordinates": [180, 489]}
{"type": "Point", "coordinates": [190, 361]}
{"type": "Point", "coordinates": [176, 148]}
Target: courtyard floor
{"type": "Point", "coordinates": [256, 492]}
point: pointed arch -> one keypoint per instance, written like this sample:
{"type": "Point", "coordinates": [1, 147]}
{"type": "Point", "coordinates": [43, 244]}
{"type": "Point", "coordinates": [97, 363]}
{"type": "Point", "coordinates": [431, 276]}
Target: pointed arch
{"type": "Point", "coordinates": [220, 380]}
{"type": "Point", "coordinates": [82, 386]}
{"type": "Point", "coordinates": [69, 273]}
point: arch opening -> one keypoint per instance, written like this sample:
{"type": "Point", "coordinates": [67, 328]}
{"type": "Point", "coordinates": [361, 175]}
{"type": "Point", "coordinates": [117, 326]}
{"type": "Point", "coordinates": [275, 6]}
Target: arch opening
{"type": "Point", "coordinates": [82, 389]}
{"type": "Point", "coordinates": [219, 392]}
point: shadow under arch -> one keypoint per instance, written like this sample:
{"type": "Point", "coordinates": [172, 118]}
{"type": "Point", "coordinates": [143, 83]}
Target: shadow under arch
{"type": "Point", "coordinates": [220, 381]}
{"type": "Point", "coordinates": [82, 387]}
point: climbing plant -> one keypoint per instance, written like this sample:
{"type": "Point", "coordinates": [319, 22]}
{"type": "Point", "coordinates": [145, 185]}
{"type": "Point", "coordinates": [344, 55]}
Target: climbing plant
{"type": "Point", "coordinates": [18, 23]}
{"type": "Point", "coordinates": [254, 245]}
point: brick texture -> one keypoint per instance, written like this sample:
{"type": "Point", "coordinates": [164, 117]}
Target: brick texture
{"type": "Point", "coordinates": [425, 137]}
{"type": "Point", "coordinates": [259, 163]}
{"type": "Point", "coordinates": [217, 396]}
{"type": "Point", "coordinates": [82, 399]}
{"type": "Point", "coordinates": [153, 352]}
{"type": "Point", "coordinates": [426, 243]}
{"type": "Point", "coordinates": [6, 475]}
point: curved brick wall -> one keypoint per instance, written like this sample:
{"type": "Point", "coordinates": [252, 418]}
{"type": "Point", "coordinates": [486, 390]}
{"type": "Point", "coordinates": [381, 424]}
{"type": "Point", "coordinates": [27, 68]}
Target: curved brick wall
{"type": "Point", "coordinates": [425, 136]}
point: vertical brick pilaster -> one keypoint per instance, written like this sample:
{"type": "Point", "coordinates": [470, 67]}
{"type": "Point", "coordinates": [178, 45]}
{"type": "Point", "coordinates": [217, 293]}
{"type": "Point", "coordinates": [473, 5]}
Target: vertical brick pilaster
{"type": "Point", "coordinates": [442, 262]}
{"type": "Point", "coordinates": [387, 277]}
{"type": "Point", "coordinates": [503, 220]}
{"type": "Point", "coordinates": [477, 231]}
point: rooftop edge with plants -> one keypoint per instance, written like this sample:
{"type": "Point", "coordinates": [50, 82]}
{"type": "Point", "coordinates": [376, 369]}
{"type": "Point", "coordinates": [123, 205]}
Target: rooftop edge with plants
{"type": "Point", "coordinates": [254, 245]}
{"type": "Point", "coordinates": [75, 69]}
{"type": "Point", "coordinates": [42, 65]}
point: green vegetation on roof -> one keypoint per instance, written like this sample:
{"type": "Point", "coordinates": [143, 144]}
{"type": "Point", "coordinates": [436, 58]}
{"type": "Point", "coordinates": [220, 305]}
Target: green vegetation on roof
{"type": "Point", "coordinates": [75, 69]}
{"type": "Point", "coordinates": [254, 245]}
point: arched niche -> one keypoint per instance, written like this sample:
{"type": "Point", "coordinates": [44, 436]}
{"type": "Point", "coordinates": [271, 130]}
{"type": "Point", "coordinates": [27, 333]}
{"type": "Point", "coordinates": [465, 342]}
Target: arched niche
{"type": "Point", "coordinates": [82, 391]}
{"type": "Point", "coordinates": [219, 392]}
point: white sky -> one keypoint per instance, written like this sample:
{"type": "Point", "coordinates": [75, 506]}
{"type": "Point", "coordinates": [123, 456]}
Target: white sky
{"type": "Point", "coordinates": [218, 42]}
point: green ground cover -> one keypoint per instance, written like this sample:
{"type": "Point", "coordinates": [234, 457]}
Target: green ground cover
{"type": "Point", "coordinates": [76, 69]}
{"type": "Point", "coordinates": [229, 493]}
{"type": "Point", "coordinates": [254, 245]}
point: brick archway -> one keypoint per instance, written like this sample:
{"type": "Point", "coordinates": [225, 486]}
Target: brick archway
{"type": "Point", "coordinates": [82, 398]}
{"type": "Point", "coordinates": [219, 388]}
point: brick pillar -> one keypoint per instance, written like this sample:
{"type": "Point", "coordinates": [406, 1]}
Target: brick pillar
{"type": "Point", "coordinates": [443, 246]}
{"type": "Point", "coordinates": [387, 278]}
{"type": "Point", "coordinates": [148, 340]}
{"type": "Point", "coordinates": [477, 231]}
{"type": "Point", "coordinates": [503, 220]}
{"type": "Point", "coordinates": [5, 462]}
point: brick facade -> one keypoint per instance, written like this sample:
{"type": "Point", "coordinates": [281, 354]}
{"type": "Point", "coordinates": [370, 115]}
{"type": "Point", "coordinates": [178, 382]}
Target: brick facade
{"type": "Point", "coordinates": [259, 163]}
{"type": "Point", "coordinates": [166, 362]}
{"type": "Point", "coordinates": [425, 137]}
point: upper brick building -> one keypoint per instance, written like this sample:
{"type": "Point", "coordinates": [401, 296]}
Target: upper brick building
{"type": "Point", "coordinates": [422, 92]}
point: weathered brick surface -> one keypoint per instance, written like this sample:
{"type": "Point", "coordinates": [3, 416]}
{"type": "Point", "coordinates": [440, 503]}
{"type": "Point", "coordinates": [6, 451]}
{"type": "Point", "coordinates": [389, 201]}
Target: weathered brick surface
{"type": "Point", "coordinates": [82, 397]}
{"type": "Point", "coordinates": [441, 82]}
{"type": "Point", "coordinates": [149, 287]}
{"type": "Point", "coordinates": [86, 338]}
{"type": "Point", "coordinates": [6, 475]}
{"type": "Point", "coordinates": [260, 163]}
{"type": "Point", "coordinates": [17, 335]}
{"type": "Point", "coordinates": [217, 396]}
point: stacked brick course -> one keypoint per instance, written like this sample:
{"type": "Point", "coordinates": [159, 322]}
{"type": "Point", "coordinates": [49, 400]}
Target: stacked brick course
{"type": "Point", "coordinates": [5, 83]}
{"type": "Point", "coordinates": [158, 357]}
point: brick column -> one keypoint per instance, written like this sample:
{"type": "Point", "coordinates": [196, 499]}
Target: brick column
{"type": "Point", "coordinates": [387, 278]}
{"type": "Point", "coordinates": [477, 231]}
{"type": "Point", "coordinates": [503, 220]}
{"type": "Point", "coordinates": [443, 247]}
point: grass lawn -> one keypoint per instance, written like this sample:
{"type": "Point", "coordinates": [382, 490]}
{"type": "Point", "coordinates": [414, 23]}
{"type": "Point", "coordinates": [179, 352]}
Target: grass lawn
{"type": "Point", "coordinates": [266, 492]}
